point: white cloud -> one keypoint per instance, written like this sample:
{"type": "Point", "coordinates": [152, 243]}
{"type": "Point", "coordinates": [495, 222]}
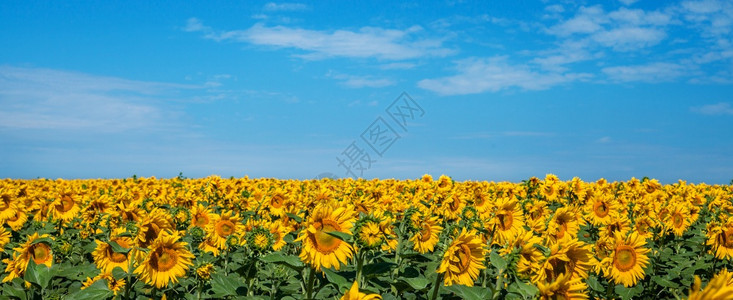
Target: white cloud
{"type": "Point", "coordinates": [478, 75]}
{"type": "Point", "coordinates": [652, 72]}
{"type": "Point", "coordinates": [629, 38]}
{"type": "Point", "coordinates": [272, 6]}
{"type": "Point", "coordinates": [622, 30]}
{"type": "Point", "coordinates": [587, 20]}
{"type": "Point", "coordinates": [604, 140]}
{"type": "Point", "coordinates": [360, 81]}
{"type": "Point", "coordinates": [33, 98]}
{"type": "Point", "coordinates": [713, 17]}
{"type": "Point", "coordinates": [388, 44]}
{"type": "Point", "coordinates": [194, 25]}
{"type": "Point", "coordinates": [628, 2]}
{"type": "Point", "coordinates": [721, 108]}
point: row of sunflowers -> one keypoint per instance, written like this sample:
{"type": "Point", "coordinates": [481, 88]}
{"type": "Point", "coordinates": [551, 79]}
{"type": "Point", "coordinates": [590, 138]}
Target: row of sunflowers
{"type": "Point", "coordinates": [213, 238]}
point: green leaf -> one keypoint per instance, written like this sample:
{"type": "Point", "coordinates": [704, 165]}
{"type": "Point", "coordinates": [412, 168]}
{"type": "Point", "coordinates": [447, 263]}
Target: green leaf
{"type": "Point", "coordinates": [664, 282]}
{"type": "Point", "coordinates": [14, 290]}
{"type": "Point", "coordinates": [295, 217]}
{"type": "Point", "coordinates": [291, 261]}
{"type": "Point", "coordinates": [628, 293]}
{"type": "Point", "coordinates": [38, 274]}
{"type": "Point", "coordinates": [46, 240]}
{"type": "Point", "coordinates": [377, 268]}
{"type": "Point", "coordinates": [469, 292]}
{"type": "Point", "coordinates": [497, 261]}
{"type": "Point", "coordinates": [346, 237]}
{"type": "Point", "coordinates": [225, 285]}
{"type": "Point", "coordinates": [418, 283]}
{"type": "Point", "coordinates": [117, 248]}
{"type": "Point", "coordinates": [335, 278]}
{"type": "Point", "coordinates": [524, 289]}
{"type": "Point", "coordinates": [594, 284]}
{"type": "Point", "coordinates": [97, 291]}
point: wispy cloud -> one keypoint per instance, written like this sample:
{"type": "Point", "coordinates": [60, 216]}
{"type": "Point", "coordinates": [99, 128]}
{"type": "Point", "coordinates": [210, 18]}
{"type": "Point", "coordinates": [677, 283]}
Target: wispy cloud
{"type": "Point", "coordinates": [367, 42]}
{"type": "Point", "coordinates": [34, 98]}
{"type": "Point", "coordinates": [360, 81]}
{"type": "Point", "coordinates": [652, 72]}
{"type": "Point", "coordinates": [272, 6]}
{"type": "Point", "coordinates": [478, 75]}
{"type": "Point", "coordinates": [721, 108]}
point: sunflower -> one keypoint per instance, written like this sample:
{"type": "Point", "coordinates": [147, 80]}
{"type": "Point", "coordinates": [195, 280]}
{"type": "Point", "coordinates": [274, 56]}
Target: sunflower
{"type": "Point", "coordinates": [33, 248]}
{"type": "Point", "coordinates": [508, 220]}
{"type": "Point", "coordinates": [388, 235]}
{"type": "Point", "coordinates": [279, 231]}
{"type": "Point", "coordinates": [564, 223]}
{"type": "Point", "coordinates": [720, 287]}
{"type": "Point", "coordinates": [644, 225]}
{"type": "Point", "coordinates": [223, 226]}
{"type": "Point", "coordinates": [167, 260]}
{"type": "Point", "coordinates": [8, 203]}
{"type": "Point", "coordinates": [678, 219]}
{"type": "Point", "coordinates": [208, 246]}
{"type": "Point", "coordinates": [463, 259]}
{"type": "Point", "coordinates": [529, 254]}
{"type": "Point", "coordinates": [619, 224]}
{"type": "Point", "coordinates": [201, 216]}
{"type": "Point", "coordinates": [17, 220]}
{"type": "Point", "coordinates": [259, 239]}
{"type": "Point", "coordinates": [276, 203]}
{"type": "Point", "coordinates": [368, 233]}
{"type": "Point", "coordinates": [564, 287]}
{"type": "Point", "coordinates": [106, 258]}
{"type": "Point", "coordinates": [720, 237]}
{"type": "Point", "coordinates": [569, 257]}
{"type": "Point", "coordinates": [114, 285]}
{"type": "Point", "coordinates": [321, 249]}
{"type": "Point", "coordinates": [627, 261]}
{"type": "Point", "coordinates": [600, 209]}
{"type": "Point", "coordinates": [354, 294]}
{"type": "Point", "coordinates": [427, 237]}
{"type": "Point", "coordinates": [204, 271]}
{"type": "Point", "coordinates": [4, 237]}
{"type": "Point", "coordinates": [65, 207]}
{"type": "Point", "coordinates": [150, 227]}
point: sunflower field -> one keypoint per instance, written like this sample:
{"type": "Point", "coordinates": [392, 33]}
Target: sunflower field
{"type": "Point", "coordinates": [214, 238]}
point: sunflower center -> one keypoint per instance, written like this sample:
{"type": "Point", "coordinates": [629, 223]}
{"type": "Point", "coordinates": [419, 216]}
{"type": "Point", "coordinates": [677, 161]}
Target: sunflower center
{"type": "Point", "coordinates": [625, 258]}
{"type": "Point", "coordinates": [425, 233]}
{"type": "Point", "coordinates": [464, 258]}
{"type": "Point", "coordinates": [505, 221]}
{"type": "Point", "coordinates": [277, 201]}
{"type": "Point", "coordinates": [601, 209]}
{"type": "Point", "coordinates": [201, 220]}
{"type": "Point", "coordinates": [41, 253]}
{"type": "Point", "coordinates": [561, 231]}
{"type": "Point", "coordinates": [150, 234]}
{"type": "Point", "coordinates": [727, 238]}
{"type": "Point", "coordinates": [164, 259]}
{"type": "Point", "coordinates": [326, 243]}
{"type": "Point", "coordinates": [678, 220]}
{"type": "Point", "coordinates": [224, 228]}
{"type": "Point", "coordinates": [66, 204]}
{"type": "Point", "coordinates": [117, 257]}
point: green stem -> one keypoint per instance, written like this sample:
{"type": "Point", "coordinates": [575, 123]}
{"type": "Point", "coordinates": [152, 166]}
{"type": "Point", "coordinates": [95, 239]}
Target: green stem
{"type": "Point", "coordinates": [309, 285]}
{"type": "Point", "coordinates": [359, 267]}
{"type": "Point", "coordinates": [436, 287]}
{"type": "Point", "coordinates": [499, 283]}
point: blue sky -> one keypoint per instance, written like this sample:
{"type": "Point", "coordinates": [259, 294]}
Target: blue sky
{"type": "Point", "coordinates": [499, 90]}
